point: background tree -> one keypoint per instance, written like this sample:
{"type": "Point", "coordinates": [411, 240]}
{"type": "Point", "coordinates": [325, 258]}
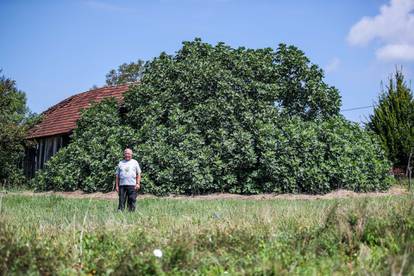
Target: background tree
{"type": "Point", "coordinates": [14, 118]}
{"type": "Point", "coordinates": [126, 72]}
{"type": "Point", "coordinates": [393, 120]}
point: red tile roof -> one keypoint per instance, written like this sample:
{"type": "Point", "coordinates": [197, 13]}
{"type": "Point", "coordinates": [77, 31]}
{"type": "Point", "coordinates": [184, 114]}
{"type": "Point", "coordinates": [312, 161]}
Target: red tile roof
{"type": "Point", "coordinates": [61, 118]}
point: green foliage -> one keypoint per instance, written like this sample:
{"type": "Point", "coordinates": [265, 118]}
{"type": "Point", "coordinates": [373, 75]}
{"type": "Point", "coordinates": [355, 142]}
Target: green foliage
{"type": "Point", "coordinates": [320, 156]}
{"type": "Point", "coordinates": [51, 235]}
{"type": "Point", "coordinates": [34, 252]}
{"type": "Point", "coordinates": [393, 120]}
{"type": "Point", "coordinates": [126, 72]}
{"type": "Point", "coordinates": [301, 89]}
{"type": "Point", "coordinates": [14, 121]}
{"type": "Point", "coordinates": [218, 119]}
{"type": "Point", "coordinates": [203, 119]}
{"type": "Point", "coordinates": [88, 162]}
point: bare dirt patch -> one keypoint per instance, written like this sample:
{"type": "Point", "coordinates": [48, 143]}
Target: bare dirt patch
{"type": "Point", "coordinates": [333, 195]}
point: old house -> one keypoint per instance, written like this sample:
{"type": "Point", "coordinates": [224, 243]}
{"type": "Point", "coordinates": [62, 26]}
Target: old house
{"type": "Point", "coordinates": [57, 124]}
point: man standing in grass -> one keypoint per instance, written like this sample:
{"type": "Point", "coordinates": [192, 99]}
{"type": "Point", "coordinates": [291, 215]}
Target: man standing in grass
{"type": "Point", "coordinates": [128, 181]}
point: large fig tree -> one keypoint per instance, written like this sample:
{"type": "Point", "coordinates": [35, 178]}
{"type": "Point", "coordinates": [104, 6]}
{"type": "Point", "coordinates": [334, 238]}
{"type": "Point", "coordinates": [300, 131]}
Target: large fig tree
{"type": "Point", "coordinates": [200, 114]}
{"type": "Point", "coordinates": [219, 119]}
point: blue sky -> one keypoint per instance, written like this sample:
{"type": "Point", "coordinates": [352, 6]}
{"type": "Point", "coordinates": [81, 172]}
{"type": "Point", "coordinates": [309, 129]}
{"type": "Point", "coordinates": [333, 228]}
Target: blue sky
{"type": "Point", "coordinates": [54, 49]}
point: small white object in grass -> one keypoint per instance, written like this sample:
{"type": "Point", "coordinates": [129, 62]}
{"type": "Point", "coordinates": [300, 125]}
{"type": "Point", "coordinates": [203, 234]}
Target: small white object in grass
{"type": "Point", "coordinates": [157, 253]}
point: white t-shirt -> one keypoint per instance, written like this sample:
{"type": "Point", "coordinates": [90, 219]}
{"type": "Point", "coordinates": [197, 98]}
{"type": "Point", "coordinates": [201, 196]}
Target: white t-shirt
{"type": "Point", "coordinates": [127, 172]}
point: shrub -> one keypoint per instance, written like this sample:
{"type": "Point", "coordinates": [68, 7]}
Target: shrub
{"type": "Point", "coordinates": [320, 156]}
{"type": "Point", "coordinates": [212, 118]}
{"type": "Point", "coordinates": [88, 162]}
{"type": "Point", "coordinates": [218, 119]}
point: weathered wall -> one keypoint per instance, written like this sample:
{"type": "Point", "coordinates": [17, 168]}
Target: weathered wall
{"type": "Point", "coordinates": [44, 149]}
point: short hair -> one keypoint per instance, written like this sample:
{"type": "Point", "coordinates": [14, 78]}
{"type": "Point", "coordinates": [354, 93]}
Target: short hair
{"type": "Point", "coordinates": [128, 149]}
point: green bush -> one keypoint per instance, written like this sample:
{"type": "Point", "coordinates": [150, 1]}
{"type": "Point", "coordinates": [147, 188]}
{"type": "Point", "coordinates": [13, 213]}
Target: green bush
{"type": "Point", "coordinates": [320, 156]}
{"type": "Point", "coordinates": [212, 118]}
{"type": "Point", "coordinates": [218, 119]}
{"type": "Point", "coordinates": [88, 162]}
{"type": "Point", "coordinates": [34, 253]}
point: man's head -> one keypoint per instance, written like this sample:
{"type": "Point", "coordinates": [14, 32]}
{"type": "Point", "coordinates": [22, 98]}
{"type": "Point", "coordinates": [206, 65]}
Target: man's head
{"type": "Point", "coordinates": [127, 154]}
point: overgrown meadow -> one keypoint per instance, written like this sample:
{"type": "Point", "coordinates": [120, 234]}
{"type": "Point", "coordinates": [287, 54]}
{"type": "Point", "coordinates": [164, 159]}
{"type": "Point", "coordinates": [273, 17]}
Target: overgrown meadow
{"type": "Point", "coordinates": [50, 235]}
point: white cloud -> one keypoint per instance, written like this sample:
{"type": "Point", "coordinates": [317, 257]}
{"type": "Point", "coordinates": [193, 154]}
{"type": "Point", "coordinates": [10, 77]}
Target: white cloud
{"type": "Point", "coordinates": [393, 27]}
{"type": "Point", "coordinates": [396, 52]}
{"type": "Point", "coordinates": [333, 65]}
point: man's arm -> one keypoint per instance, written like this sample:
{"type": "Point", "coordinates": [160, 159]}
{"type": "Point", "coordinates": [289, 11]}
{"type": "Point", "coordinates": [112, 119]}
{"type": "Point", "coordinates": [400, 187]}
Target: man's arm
{"type": "Point", "coordinates": [117, 183]}
{"type": "Point", "coordinates": [117, 179]}
{"type": "Point", "coordinates": [138, 179]}
{"type": "Point", "coordinates": [138, 185]}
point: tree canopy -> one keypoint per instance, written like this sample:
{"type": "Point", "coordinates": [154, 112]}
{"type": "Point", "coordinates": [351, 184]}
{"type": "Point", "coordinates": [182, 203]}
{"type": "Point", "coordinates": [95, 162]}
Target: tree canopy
{"type": "Point", "coordinates": [126, 72]}
{"type": "Point", "coordinates": [393, 120]}
{"type": "Point", "coordinates": [223, 119]}
{"type": "Point", "coordinates": [14, 119]}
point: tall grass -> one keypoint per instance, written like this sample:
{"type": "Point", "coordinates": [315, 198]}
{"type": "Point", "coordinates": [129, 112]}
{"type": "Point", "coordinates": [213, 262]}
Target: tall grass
{"type": "Point", "coordinates": [406, 183]}
{"type": "Point", "coordinates": [53, 235]}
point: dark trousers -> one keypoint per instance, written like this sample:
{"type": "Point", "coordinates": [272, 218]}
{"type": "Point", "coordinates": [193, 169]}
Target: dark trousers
{"type": "Point", "coordinates": [129, 194]}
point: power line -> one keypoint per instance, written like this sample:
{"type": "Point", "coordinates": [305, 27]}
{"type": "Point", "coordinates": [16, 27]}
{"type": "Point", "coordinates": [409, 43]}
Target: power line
{"type": "Point", "coordinates": [357, 108]}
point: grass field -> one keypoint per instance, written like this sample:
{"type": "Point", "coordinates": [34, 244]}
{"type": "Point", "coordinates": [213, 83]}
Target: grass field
{"type": "Point", "coordinates": [55, 235]}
